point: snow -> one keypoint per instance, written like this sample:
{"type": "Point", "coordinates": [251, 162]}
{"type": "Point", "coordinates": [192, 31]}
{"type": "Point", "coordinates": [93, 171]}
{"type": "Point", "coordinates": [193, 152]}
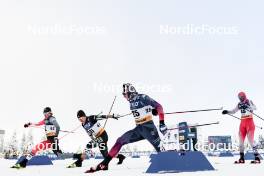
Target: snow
{"type": "Point", "coordinates": [131, 167]}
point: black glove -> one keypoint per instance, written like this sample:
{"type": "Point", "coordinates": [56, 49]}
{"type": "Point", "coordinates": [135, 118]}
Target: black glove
{"type": "Point", "coordinates": [115, 116]}
{"type": "Point", "coordinates": [225, 112]}
{"type": "Point", "coordinates": [27, 125]}
{"type": "Point", "coordinates": [154, 112]}
{"type": "Point", "coordinates": [162, 127]}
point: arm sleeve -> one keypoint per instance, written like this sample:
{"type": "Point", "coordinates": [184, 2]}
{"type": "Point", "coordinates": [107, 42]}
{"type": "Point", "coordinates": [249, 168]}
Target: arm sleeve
{"type": "Point", "coordinates": [55, 123]}
{"type": "Point", "coordinates": [94, 118]}
{"type": "Point", "coordinates": [252, 106]}
{"type": "Point", "coordinates": [100, 117]}
{"type": "Point", "coordinates": [155, 105]}
{"type": "Point", "coordinates": [233, 111]}
{"type": "Point", "coordinates": [42, 122]}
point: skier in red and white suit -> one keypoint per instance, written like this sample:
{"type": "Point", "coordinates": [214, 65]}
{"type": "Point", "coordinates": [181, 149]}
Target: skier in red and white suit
{"type": "Point", "coordinates": [247, 126]}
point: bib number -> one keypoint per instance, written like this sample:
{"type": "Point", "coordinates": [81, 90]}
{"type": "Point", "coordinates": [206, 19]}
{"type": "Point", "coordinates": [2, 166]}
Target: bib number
{"type": "Point", "coordinates": [141, 113]}
{"type": "Point", "coordinates": [94, 130]}
{"type": "Point", "coordinates": [50, 130]}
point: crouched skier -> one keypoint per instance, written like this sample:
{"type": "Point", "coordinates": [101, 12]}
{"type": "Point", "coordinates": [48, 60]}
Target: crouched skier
{"type": "Point", "coordinates": [142, 108]}
{"type": "Point", "coordinates": [52, 129]}
{"type": "Point", "coordinates": [97, 134]}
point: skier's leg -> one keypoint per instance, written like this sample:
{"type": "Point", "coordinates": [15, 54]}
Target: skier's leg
{"type": "Point", "coordinates": [102, 143]}
{"type": "Point", "coordinates": [54, 145]}
{"type": "Point", "coordinates": [150, 132]}
{"type": "Point", "coordinates": [128, 137]}
{"type": "Point", "coordinates": [250, 136]}
{"type": "Point", "coordinates": [242, 134]}
{"type": "Point", "coordinates": [81, 156]}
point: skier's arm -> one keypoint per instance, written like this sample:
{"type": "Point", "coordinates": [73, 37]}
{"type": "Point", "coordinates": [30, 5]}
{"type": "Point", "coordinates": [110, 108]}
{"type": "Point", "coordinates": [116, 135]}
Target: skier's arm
{"type": "Point", "coordinates": [29, 124]}
{"type": "Point", "coordinates": [42, 122]}
{"type": "Point", "coordinates": [157, 107]}
{"type": "Point", "coordinates": [251, 106]}
{"type": "Point", "coordinates": [233, 111]}
{"type": "Point", "coordinates": [101, 117]}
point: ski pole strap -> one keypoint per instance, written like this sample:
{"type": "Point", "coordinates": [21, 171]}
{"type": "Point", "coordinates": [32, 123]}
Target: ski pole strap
{"type": "Point", "coordinates": [191, 111]}
{"type": "Point", "coordinates": [199, 125]}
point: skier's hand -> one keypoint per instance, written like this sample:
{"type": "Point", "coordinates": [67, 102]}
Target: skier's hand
{"type": "Point", "coordinates": [27, 125]}
{"type": "Point", "coordinates": [162, 127]}
{"type": "Point", "coordinates": [115, 116]}
{"type": "Point", "coordinates": [225, 112]}
{"type": "Point", "coordinates": [154, 112]}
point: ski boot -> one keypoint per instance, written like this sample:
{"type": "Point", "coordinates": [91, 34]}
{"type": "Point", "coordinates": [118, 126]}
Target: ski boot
{"type": "Point", "coordinates": [241, 159]}
{"type": "Point", "coordinates": [21, 164]}
{"type": "Point", "coordinates": [121, 158]}
{"type": "Point", "coordinates": [257, 159]}
{"type": "Point", "coordinates": [77, 163]}
{"type": "Point", "coordinates": [102, 166]}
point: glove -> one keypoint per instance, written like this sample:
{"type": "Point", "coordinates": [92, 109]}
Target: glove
{"type": "Point", "coordinates": [27, 125]}
{"type": "Point", "coordinates": [225, 112]}
{"type": "Point", "coordinates": [154, 112]}
{"type": "Point", "coordinates": [162, 127]}
{"type": "Point", "coordinates": [115, 116]}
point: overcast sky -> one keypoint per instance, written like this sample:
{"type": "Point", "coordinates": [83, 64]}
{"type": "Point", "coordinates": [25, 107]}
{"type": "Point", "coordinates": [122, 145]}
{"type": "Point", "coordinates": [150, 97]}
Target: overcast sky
{"type": "Point", "coordinates": [76, 54]}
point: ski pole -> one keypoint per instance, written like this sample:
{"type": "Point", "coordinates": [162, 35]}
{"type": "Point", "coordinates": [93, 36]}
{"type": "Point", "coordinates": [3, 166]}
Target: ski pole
{"type": "Point", "coordinates": [199, 125]}
{"type": "Point", "coordinates": [75, 128]}
{"type": "Point", "coordinates": [255, 114]}
{"type": "Point", "coordinates": [109, 112]}
{"type": "Point", "coordinates": [119, 116]}
{"type": "Point", "coordinates": [181, 112]}
{"type": "Point", "coordinates": [71, 131]}
{"type": "Point", "coordinates": [65, 131]}
{"type": "Point", "coordinates": [200, 110]}
{"type": "Point", "coordinates": [259, 127]}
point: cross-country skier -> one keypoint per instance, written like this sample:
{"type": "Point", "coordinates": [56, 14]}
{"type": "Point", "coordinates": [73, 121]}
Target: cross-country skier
{"type": "Point", "coordinates": [247, 126]}
{"type": "Point", "coordinates": [52, 129]}
{"type": "Point", "coordinates": [142, 107]}
{"type": "Point", "coordinates": [98, 135]}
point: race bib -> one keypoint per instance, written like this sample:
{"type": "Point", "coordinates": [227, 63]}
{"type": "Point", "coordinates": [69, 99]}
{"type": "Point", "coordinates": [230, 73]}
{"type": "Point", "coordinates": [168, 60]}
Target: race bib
{"type": "Point", "coordinates": [95, 130]}
{"type": "Point", "coordinates": [245, 112]}
{"type": "Point", "coordinates": [142, 115]}
{"type": "Point", "coordinates": [50, 130]}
